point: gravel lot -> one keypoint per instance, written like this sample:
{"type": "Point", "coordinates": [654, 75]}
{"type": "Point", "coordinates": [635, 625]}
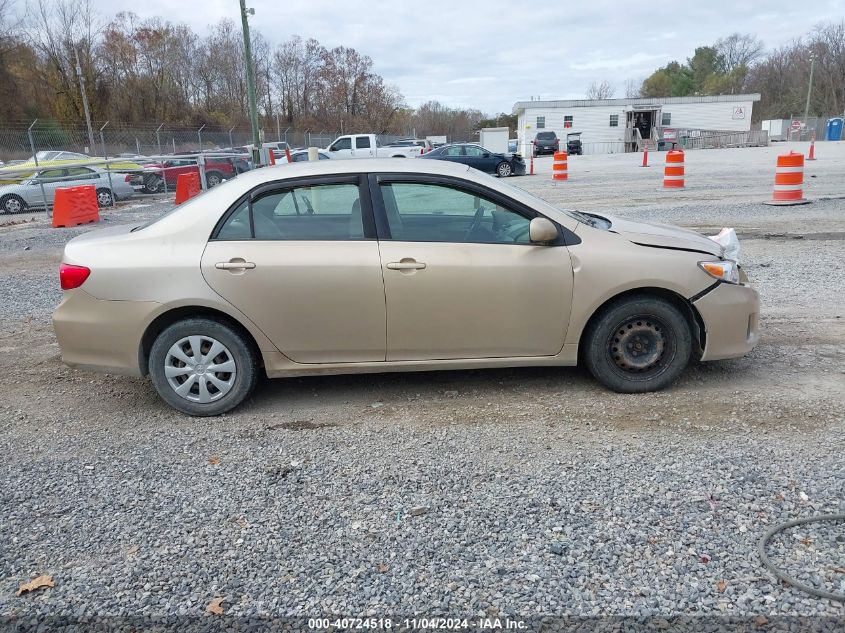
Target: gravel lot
{"type": "Point", "coordinates": [507, 492]}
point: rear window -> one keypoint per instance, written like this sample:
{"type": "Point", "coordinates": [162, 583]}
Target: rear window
{"type": "Point", "coordinates": [546, 136]}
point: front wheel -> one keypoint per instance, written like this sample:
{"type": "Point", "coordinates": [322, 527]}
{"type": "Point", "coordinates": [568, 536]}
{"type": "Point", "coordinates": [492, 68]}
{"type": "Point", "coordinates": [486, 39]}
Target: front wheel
{"type": "Point", "coordinates": [212, 179]}
{"type": "Point", "coordinates": [105, 198]}
{"type": "Point", "coordinates": [638, 344]}
{"type": "Point", "coordinates": [202, 367]}
{"type": "Point", "coordinates": [504, 169]}
{"type": "Point", "coordinates": [12, 204]}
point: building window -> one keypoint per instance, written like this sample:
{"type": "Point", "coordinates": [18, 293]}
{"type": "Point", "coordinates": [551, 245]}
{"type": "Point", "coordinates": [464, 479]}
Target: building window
{"type": "Point", "coordinates": [614, 120]}
{"type": "Point", "coordinates": [666, 118]}
{"type": "Point", "coordinates": [541, 122]}
{"type": "Point", "coordinates": [567, 120]}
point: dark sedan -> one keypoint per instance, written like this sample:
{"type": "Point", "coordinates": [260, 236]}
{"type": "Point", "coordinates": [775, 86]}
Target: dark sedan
{"type": "Point", "coordinates": [502, 165]}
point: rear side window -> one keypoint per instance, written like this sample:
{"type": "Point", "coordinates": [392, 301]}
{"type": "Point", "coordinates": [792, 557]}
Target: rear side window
{"type": "Point", "coordinates": [362, 142]}
{"type": "Point", "coordinates": [318, 212]}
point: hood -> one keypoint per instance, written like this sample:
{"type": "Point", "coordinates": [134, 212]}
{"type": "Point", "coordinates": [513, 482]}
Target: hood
{"type": "Point", "coordinates": [663, 236]}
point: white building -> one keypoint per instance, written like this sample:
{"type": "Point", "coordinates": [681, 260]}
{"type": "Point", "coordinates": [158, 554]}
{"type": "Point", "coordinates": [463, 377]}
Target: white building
{"type": "Point", "coordinates": [618, 125]}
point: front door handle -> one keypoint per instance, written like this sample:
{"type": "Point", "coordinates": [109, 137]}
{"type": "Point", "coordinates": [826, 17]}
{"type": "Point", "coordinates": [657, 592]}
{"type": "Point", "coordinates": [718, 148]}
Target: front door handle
{"type": "Point", "coordinates": [406, 265]}
{"type": "Point", "coordinates": [235, 265]}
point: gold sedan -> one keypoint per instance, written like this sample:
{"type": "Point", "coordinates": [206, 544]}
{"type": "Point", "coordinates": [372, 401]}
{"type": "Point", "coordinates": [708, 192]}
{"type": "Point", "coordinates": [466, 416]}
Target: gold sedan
{"type": "Point", "coordinates": [391, 265]}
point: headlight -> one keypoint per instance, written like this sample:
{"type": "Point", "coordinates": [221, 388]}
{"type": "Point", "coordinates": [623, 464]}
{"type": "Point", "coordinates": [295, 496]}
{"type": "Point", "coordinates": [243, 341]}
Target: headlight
{"type": "Point", "coordinates": [722, 270]}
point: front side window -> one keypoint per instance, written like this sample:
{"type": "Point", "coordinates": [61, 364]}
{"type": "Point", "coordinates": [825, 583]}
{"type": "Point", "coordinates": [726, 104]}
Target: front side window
{"type": "Point", "coordinates": [318, 212]}
{"type": "Point", "coordinates": [422, 212]}
{"type": "Point", "coordinates": [474, 150]}
{"type": "Point", "coordinates": [80, 172]}
{"type": "Point", "coordinates": [342, 143]}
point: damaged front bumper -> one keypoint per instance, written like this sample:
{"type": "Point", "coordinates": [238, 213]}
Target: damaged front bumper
{"type": "Point", "coordinates": [731, 320]}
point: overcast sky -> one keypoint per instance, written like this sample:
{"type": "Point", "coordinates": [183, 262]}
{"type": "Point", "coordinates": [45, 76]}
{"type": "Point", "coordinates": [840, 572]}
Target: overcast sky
{"type": "Point", "coordinates": [489, 54]}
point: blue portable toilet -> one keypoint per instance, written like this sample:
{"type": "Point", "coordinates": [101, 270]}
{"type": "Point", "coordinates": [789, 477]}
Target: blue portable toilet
{"type": "Point", "coordinates": [834, 129]}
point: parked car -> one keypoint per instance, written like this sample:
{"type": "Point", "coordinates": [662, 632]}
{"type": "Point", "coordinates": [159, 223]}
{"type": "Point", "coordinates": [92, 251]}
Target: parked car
{"type": "Point", "coordinates": [391, 265]}
{"type": "Point", "coordinates": [475, 156]}
{"type": "Point", "coordinates": [217, 169]}
{"type": "Point", "coordinates": [546, 143]}
{"type": "Point", "coordinates": [301, 156]}
{"type": "Point", "coordinates": [367, 146]}
{"type": "Point", "coordinates": [54, 158]}
{"type": "Point", "coordinates": [27, 194]}
{"type": "Point", "coordinates": [573, 144]}
{"type": "Point", "coordinates": [425, 144]}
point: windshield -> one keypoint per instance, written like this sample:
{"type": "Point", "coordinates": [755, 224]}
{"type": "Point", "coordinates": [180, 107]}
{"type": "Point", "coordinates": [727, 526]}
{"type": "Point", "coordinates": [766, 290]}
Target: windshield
{"type": "Point", "coordinates": [575, 215]}
{"type": "Point", "coordinates": [45, 155]}
{"type": "Point", "coordinates": [546, 136]}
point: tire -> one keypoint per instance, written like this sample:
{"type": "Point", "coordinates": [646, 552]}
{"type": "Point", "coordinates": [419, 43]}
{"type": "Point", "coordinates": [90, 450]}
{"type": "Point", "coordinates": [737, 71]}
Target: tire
{"type": "Point", "coordinates": [235, 351]}
{"type": "Point", "coordinates": [612, 343]}
{"type": "Point", "coordinates": [504, 169]}
{"type": "Point", "coordinates": [12, 204]}
{"type": "Point", "coordinates": [104, 198]}
{"type": "Point", "coordinates": [399, 156]}
{"type": "Point", "coordinates": [213, 178]}
{"type": "Point", "coordinates": [153, 183]}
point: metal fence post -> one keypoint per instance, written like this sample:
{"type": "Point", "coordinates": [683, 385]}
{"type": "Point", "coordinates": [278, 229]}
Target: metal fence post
{"type": "Point", "coordinates": [286, 135]}
{"type": "Point", "coordinates": [158, 138]}
{"type": "Point", "coordinates": [103, 140]}
{"type": "Point", "coordinates": [111, 185]}
{"type": "Point", "coordinates": [35, 158]}
{"type": "Point", "coordinates": [199, 135]}
{"type": "Point", "coordinates": [231, 143]}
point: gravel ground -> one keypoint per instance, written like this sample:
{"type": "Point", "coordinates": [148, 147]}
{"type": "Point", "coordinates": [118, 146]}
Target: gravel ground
{"type": "Point", "coordinates": [508, 492]}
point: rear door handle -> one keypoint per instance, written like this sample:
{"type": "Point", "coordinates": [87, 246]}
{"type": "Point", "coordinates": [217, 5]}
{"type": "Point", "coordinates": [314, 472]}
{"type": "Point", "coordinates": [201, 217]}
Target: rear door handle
{"type": "Point", "coordinates": [234, 265]}
{"type": "Point", "coordinates": [406, 265]}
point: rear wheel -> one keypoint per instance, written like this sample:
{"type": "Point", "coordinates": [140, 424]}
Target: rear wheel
{"type": "Point", "coordinates": [212, 179]}
{"type": "Point", "coordinates": [153, 183]}
{"type": "Point", "coordinates": [12, 204]}
{"type": "Point", "coordinates": [504, 169]}
{"type": "Point", "coordinates": [104, 198]}
{"type": "Point", "coordinates": [202, 367]}
{"type": "Point", "coordinates": [638, 344]}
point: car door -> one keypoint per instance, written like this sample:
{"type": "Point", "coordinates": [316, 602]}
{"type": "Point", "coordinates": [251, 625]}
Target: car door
{"type": "Point", "coordinates": [50, 180]}
{"type": "Point", "coordinates": [479, 158]}
{"type": "Point", "coordinates": [300, 259]}
{"type": "Point", "coordinates": [342, 147]}
{"type": "Point", "coordinates": [461, 277]}
{"type": "Point", "coordinates": [363, 147]}
{"type": "Point", "coordinates": [455, 154]}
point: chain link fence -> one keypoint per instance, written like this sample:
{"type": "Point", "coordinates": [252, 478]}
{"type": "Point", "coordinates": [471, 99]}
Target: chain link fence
{"type": "Point", "coordinates": [20, 140]}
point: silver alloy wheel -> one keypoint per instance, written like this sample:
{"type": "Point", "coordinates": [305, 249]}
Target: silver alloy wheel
{"type": "Point", "coordinates": [504, 170]}
{"type": "Point", "coordinates": [12, 204]}
{"type": "Point", "coordinates": [212, 180]}
{"type": "Point", "coordinates": [104, 198]}
{"type": "Point", "coordinates": [200, 369]}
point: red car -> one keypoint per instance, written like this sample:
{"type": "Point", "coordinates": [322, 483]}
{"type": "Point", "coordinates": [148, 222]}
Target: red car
{"type": "Point", "coordinates": [217, 169]}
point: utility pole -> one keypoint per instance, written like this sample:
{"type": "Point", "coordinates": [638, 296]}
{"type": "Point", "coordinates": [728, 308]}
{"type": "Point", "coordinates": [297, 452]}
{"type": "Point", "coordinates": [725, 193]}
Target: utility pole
{"type": "Point", "coordinates": [250, 75]}
{"type": "Point", "coordinates": [84, 101]}
{"type": "Point", "coordinates": [809, 88]}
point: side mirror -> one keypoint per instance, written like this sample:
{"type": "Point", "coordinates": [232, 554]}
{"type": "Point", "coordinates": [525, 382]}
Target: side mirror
{"type": "Point", "coordinates": [333, 149]}
{"type": "Point", "coordinates": [486, 154]}
{"type": "Point", "coordinates": [541, 230]}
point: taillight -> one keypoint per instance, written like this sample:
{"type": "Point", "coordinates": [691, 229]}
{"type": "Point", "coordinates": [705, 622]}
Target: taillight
{"type": "Point", "coordinates": [128, 178]}
{"type": "Point", "coordinates": [71, 276]}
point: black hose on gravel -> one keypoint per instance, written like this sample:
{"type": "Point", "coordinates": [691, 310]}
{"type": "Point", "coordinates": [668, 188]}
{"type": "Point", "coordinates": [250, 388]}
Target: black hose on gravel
{"type": "Point", "coordinates": [761, 548]}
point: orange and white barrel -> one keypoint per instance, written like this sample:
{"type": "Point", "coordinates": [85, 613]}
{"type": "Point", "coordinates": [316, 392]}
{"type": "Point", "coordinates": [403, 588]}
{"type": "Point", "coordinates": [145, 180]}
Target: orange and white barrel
{"type": "Point", "coordinates": [559, 167]}
{"type": "Point", "coordinates": [789, 180]}
{"type": "Point", "coordinates": [673, 173]}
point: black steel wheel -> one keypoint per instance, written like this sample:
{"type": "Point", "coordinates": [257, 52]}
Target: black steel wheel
{"type": "Point", "coordinates": [638, 344]}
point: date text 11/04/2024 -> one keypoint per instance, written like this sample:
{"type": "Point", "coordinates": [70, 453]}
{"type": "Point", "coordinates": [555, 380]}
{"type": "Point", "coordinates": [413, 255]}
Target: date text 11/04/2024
{"type": "Point", "coordinates": [422, 623]}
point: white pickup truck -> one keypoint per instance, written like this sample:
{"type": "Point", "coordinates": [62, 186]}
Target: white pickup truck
{"type": "Point", "coordinates": [367, 146]}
